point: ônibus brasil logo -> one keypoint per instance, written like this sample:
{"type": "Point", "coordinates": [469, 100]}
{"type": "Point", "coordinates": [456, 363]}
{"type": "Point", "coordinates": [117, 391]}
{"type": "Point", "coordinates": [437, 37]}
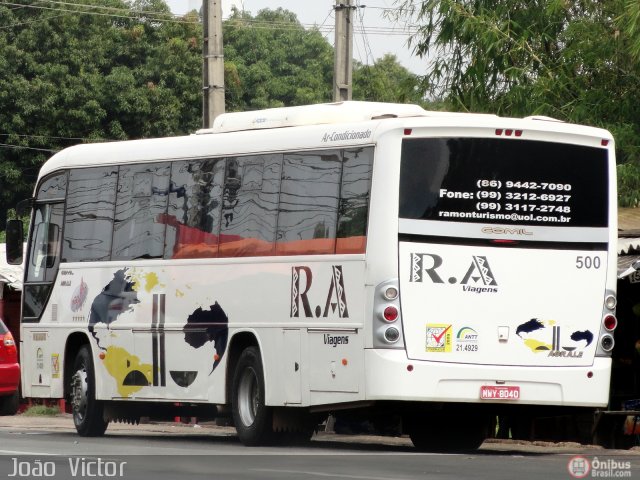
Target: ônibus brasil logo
{"type": "Point", "coordinates": [579, 467]}
{"type": "Point", "coordinates": [477, 278]}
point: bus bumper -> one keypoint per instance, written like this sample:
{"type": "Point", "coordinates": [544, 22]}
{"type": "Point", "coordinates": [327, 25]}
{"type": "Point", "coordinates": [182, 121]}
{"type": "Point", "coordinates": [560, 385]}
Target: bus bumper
{"type": "Point", "coordinates": [391, 376]}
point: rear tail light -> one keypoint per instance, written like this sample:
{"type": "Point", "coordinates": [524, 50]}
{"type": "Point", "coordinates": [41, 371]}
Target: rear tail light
{"type": "Point", "coordinates": [607, 343]}
{"type": "Point", "coordinates": [508, 132]}
{"type": "Point", "coordinates": [392, 334]}
{"type": "Point", "coordinates": [10, 345]}
{"type": "Point", "coordinates": [610, 322]}
{"type": "Point", "coordinates": [610, 302]}
{"type": "Point", "coordinates": [390, 313]}
{"type": "Point", "coordinates": [608, 325]}
{"type": "Point", "coordinates": [387, 320]}
{"type": "Point", "coordinates": [391, 293]}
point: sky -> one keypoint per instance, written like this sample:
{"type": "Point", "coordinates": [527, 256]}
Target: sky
{"type": "Point", "coordinates": [382, 35]}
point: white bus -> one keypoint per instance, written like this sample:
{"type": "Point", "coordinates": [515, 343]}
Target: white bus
{"type": "Point", "coordinates": [359, 256]}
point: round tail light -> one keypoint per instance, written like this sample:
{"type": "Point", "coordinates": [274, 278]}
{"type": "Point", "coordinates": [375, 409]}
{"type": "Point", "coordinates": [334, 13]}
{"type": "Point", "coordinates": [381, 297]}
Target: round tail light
{"type": "Point", "coordinates": [391, 293]}
{"type": "Point", "coordinates": [610, 322]}
{"type": "Point", "coordinates": [392, 334]}
{"type": "Point", "coordinates": [390, 313]}
{"type": "Point", "coordinates": [610, 302]}
{"type": "Point", "coordinates": [607, 343]}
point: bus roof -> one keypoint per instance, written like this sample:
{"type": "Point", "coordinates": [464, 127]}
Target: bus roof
{"type": "Point", "coordinates": [272, 132]}
{"type": "Point", "coordinates": [324, 113]}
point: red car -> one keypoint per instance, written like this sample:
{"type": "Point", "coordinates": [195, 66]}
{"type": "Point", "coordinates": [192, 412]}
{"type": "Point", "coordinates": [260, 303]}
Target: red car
{"type": "Point", "coordinates": [9, 373]}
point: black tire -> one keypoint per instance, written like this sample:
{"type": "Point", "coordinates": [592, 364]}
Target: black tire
{"type": "Point", "coordinates": [9, 405]}
{"type": "Point", "coordinates": [440, 432]}
{"type": "Point", "coordinates": [88, 413]}
{"type": "Point", "coordinates": [252, 418]}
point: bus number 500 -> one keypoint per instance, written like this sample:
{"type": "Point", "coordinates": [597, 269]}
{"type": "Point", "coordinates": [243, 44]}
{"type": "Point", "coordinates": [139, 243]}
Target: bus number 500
{"type": "Point", "coordinates": [587, 262]}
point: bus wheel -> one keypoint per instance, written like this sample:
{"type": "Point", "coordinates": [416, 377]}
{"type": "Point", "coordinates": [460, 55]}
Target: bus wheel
{"type": "Point", "coordinates": [87, 411]}
{"type": "Point", "coordinates": [252, 418]}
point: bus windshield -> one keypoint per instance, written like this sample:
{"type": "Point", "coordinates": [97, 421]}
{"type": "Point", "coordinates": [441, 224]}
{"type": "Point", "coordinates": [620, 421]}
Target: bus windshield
{"type": "Point", "coordinates": [491, 180]}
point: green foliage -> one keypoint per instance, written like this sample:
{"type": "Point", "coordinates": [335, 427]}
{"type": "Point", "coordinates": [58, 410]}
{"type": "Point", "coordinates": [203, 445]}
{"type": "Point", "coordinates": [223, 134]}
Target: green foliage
{"type": "Point", "coordinates": [629, 184]}
{"type": "Point", "coordinates": [272, 61]}
{"type": "Point", "coordinates": [577, 61]}
{"type": "Point", "coordinates": [68, 75]}
{"type": "Point", "coordinates": [386, 81]}
{"type": "Point", "coordinates": [41, 411]}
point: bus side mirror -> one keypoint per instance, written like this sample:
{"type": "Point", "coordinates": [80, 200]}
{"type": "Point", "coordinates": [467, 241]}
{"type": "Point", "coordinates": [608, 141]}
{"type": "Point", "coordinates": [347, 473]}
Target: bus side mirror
{"type": "Point", "coordinates": [15, 237]}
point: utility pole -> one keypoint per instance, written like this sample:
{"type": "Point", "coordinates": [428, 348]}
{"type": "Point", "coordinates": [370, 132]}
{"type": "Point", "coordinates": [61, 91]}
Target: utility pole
{"type": "Point", "coordinates": [343, 60]}
{"type": "Point", "coordinates": [213, 62]}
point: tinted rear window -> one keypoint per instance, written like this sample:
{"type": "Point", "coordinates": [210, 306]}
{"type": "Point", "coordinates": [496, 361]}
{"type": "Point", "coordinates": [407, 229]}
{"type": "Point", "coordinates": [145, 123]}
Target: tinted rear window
{"type": "Point", "coordinates": [487, 180]}
{"type": "Point", "coordinates": [3, 328]}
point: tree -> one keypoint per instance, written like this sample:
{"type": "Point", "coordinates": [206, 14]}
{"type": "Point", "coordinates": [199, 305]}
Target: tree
{"type": "Point", "coordinates": [127, 69]}
{"type": "Point", "coordinates": [272, 61]}
{"type": "Point", "coordinates": [386, 81]}
{"type": "Point", "coordinates": [576, 61]}
{"type": "Point", "coordinates": [85, 73]}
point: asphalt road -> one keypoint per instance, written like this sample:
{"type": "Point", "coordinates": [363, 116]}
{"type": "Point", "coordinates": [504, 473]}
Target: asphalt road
{"type": "Point", "coordinates": [49, 448]}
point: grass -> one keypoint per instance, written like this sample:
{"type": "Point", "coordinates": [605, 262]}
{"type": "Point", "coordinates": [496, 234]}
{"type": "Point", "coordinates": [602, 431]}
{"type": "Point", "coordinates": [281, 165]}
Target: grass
{"type": "Point", "coordinates": [41, 411]}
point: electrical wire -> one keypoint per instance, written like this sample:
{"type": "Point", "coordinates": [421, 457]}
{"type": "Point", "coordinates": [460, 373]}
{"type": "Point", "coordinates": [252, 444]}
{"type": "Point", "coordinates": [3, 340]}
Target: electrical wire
{"type": "Point", "coordinates": [163, 17]}
{"type": "Point", "coordinates": [8, 145]}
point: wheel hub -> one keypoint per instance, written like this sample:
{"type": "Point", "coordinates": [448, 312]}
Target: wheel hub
{"type": "Point", "coordinates": [248, 397]}
{"type": "Point", "coordinates": [79, 393]}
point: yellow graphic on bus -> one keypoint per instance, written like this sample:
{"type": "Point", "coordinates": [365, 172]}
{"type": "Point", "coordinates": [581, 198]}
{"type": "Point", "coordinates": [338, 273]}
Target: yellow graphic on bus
{"type": "Point", "coordinates": [126, 369]}
{"type": "Point", "coordinates": [148, 281]}
{"type": "Point", "coordinates": [536, 345]}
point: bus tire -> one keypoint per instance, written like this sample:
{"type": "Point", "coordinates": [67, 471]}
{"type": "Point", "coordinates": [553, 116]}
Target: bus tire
{"type": "Point", "coordinates": [9, 405]}
{"type": "Point", "coordinates": [252, 418]}
{"type": "Point", "coordinates": [88, 413]}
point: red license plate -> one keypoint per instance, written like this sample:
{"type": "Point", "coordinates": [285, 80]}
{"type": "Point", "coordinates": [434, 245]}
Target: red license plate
{"type": "Point", "coordinates": [490, 392]}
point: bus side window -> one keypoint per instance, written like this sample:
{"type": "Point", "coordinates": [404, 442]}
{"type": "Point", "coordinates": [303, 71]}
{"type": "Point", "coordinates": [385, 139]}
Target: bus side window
{"type": "Point", "coordinates": [46, 245]}
{"type": "Point", "coordinates": [354, 200]}
{"type": "Point", "coordinates": [44, 259]}
{"type": "Point", "coordinates": [250, 203]}
{"type": "Point", "coordinates": [141, 207]}
{"type": "Point", "coordinates": [308, 210]}
{"type": "Point", "coordinates": [194, 210]}
{"type": "Point", "coordinates": [88, 222]}
{"type": "Point", "coordinates": [38, 253]}
{"type": "Point", "coordinates": [53, 245]}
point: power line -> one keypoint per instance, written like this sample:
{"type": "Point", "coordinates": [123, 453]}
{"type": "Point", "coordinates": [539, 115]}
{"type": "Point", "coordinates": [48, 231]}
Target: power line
{"type": "Point", "coordinates": [24, 135]}
{"type": "Point", "coordinates": [163, 17]}
{"type": "Point", "coordinates": [367, 46]}
{"type": "Point", "coordinates": [133, 14]}
{"type": "Point", "coordinates": [7, 145]}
